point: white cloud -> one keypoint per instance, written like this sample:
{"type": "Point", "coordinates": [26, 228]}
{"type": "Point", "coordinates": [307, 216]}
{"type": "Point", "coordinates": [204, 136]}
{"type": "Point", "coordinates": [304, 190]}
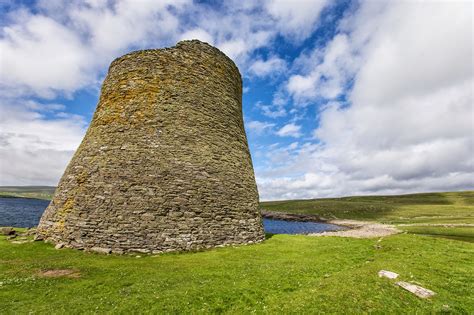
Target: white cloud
{"type": "Point", "coordinates": [410, 123]}
{"type": "Point", "coordinates": [290, 130]}
{"type": "Point", "coordinates": [331, 67]}
{"type": "Point", "coordinates": [273, 110]}
{"type": "Point", "coordinates": [199, 34]}
{"type": "Point", "coordinates": [66, 46]}
{"type": "Point", "coordinates": [62, 47]}
{"type": "Point", "coordinates": [295, 18]}
{"type": "Point", "coordinates": [406, 57]}
{"type": "Point", "coordinates": [58, 48]}
{"type": "Point", "coordinates": [34, 149]}
{"type": "Point", "coordinates": [271, 66]}
{"type": "Point", "coordinates": [259, 127]}
{"type": "Point", "coordinates": [41, 55]}
{"type": "Point", "coordinates": [302, 85]}
{"type": "Point", "coordinates": [406, 125]}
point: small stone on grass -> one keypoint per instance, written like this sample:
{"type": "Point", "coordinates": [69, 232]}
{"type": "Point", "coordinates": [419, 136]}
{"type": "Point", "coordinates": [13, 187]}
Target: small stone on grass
{"type": "Point", "coordinates": [59, 246]}
{"type": "Point", "coordinates": [415, 289]}
{"type": "Point", "coordinates": [101, 250]}
{"type": "Point", "coordinates": [388, 274]}
{"type": "Point", "coordinates": [7, 231]}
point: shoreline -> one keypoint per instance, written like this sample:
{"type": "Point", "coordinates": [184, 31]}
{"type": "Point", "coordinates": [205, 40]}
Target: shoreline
{"type": "Point", "coordinates": [275, 215]}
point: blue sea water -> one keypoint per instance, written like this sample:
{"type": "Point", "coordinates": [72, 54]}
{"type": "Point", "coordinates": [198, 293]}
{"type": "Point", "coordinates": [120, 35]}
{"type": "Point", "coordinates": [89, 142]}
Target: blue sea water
{"type": "Point", "coordinates": [21, 212]}
{"type": "Point", "coordinates": [273, 226]}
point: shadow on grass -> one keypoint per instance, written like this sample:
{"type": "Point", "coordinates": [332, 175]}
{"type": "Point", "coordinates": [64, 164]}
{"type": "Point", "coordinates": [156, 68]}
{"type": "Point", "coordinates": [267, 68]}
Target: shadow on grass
{"type": "Point", "coordinates": [268, 236]}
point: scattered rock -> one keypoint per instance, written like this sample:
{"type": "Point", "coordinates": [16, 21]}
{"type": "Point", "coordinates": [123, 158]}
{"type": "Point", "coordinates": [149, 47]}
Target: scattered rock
{"type": "Point", "coordinates": [388, 274]}
{"type": "Point", "coordinates": [30, 232]}
{"type": "Point", "coordinates": [101, 250]}
{"type": "Point", "coordinates": [37, 237]}
{"type": "Point", "coordinates": [10, 237]}
{"type": "Point", "coordinates": [417, 290]}
{"type": "Point", "coordinates": [7, 231]}
{"type": "Point", "coordinates": [59, 246]}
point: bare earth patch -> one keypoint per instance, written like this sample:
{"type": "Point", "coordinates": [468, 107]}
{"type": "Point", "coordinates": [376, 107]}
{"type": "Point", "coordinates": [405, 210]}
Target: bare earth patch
{"type": "Point", "coordinates": [360, 229]}
{"type": "Point", "coordinates": [54, 273]}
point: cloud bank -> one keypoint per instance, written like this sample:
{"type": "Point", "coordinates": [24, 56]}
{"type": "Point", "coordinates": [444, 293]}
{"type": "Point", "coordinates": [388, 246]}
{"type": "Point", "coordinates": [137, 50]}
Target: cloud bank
{"type": "Point", "coordinates": [379, 97]}
{"type": "Point", "coordinates": [407, 123]}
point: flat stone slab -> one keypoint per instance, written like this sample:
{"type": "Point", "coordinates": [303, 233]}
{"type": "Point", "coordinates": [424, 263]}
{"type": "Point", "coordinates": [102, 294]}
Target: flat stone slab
{"type": "Point", "coordinates": [59, 246]}
{"type": "Point", "coordinates": [417, 290]}
{"type": "Point", "coordinates": [388, 274]}
{"type": "Point", "coordinates": [101, 250]}
{"type": "Point", "coordinates": [20, 242]}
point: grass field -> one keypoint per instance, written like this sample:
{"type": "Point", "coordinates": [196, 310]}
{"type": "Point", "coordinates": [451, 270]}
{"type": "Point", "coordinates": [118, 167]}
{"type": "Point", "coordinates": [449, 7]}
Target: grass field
{"type": "Point", "coordinates": [457, 233]}
{"type": "Point", "coordinates": [285, 274]}
{"type": "Point", "coordinates": [289, 274]}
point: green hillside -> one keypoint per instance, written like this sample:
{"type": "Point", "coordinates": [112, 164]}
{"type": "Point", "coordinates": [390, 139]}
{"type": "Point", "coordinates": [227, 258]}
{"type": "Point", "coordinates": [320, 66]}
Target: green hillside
{"type": "Point", "coordinates": [444, 207]}
{"type": "Point", "coordinates": [38, 192]}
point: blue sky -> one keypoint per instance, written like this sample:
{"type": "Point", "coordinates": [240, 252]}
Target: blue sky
{"type": "Point", "coordinates": [340, 97]}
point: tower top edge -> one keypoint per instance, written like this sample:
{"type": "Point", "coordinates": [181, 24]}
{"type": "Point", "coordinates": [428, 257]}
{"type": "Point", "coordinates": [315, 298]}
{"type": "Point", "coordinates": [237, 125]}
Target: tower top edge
{"type": "Point", "coordinates": [192, 44]}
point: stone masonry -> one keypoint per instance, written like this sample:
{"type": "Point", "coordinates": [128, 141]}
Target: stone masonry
{"type": "Point", "coordinates": [165, 164]}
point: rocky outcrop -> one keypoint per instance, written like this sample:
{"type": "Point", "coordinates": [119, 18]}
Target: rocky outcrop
{"type": "Point", "coordinates": [165, 164]}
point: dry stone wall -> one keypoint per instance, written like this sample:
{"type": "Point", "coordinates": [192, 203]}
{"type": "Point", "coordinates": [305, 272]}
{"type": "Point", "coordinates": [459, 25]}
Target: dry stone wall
{"type": "Point", "coordinates": [165, 164]}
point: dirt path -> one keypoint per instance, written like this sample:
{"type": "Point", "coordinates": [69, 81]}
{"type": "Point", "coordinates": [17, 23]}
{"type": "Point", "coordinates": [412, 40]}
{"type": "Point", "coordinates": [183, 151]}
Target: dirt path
{"type": "Point", "coordinates": [360, 229]}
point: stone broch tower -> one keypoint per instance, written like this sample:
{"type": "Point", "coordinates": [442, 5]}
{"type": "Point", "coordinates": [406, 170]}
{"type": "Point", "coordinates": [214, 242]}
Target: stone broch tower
{"type": "Point", "coordinates": [165, 164]}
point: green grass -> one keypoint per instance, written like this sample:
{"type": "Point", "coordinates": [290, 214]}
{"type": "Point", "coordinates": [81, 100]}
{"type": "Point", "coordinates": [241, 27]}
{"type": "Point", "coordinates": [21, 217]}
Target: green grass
{"type": "Point", "coordinates": [458, 233]}
{"type": "Point", "coordinates": [37, 192]}
{"type": "Point", "coordinates": [285, 274]}
{"type": "Point", "coordinates": [449, 207]}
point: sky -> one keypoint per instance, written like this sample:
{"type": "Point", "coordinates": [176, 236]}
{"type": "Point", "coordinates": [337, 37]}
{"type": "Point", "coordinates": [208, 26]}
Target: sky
{"type": "Point", "coordinates": [340, 97]}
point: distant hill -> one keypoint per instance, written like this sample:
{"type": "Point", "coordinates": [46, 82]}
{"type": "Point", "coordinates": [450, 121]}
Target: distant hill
{"type": "Point", "coordinates": [440, 207]}
{"type": "Point", "coordinates": [37, 192]}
